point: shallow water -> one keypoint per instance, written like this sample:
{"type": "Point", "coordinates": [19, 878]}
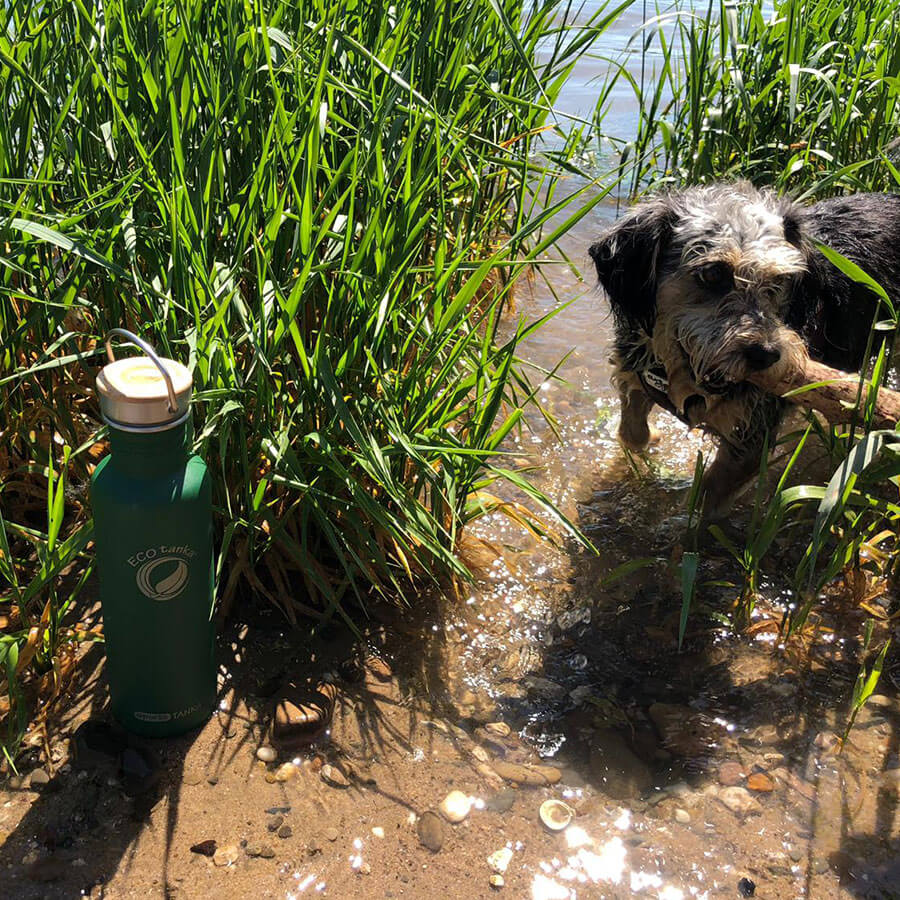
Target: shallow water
{"type": "Point", "coordinates": [722, 758]}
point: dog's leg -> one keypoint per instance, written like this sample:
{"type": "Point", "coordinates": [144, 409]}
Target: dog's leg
{"type": "Point", "coordinates": [737, 459]}
{"type": "Point", "coordinates": [635, 432]}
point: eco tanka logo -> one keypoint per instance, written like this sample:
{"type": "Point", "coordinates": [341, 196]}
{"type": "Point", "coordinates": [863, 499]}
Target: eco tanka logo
{"type": "Point", "coordinates": [162, 572]}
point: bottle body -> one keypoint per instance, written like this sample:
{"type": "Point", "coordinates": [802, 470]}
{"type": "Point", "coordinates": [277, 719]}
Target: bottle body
{"type": "Point", "coordinates": [153, 532]}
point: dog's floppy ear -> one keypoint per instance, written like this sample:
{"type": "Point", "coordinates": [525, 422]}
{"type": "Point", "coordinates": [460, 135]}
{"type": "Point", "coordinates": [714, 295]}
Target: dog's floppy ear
{"type": "Point", "coordinates": [793, 232]}
{"type": "Point", "coordinates": [627, 259]}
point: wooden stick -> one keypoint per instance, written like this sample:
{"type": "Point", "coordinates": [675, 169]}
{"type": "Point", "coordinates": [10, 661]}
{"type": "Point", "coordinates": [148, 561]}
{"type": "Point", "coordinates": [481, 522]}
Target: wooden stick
{"type": "Point", "coordinates": [835, 400]}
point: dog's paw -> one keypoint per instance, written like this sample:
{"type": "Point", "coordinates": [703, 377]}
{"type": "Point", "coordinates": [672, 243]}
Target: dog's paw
{"type": "Point", "coordinates": [640, 441]}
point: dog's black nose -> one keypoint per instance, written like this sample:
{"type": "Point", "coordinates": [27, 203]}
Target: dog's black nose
{"type": "Point", "coordinates": [761, 356]}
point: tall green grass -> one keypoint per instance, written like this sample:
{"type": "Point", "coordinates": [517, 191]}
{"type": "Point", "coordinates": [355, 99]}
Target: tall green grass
{"type": "Point", "coordinates": [323, 207]}
{"type": "Point", "coordinates": [799, 94]}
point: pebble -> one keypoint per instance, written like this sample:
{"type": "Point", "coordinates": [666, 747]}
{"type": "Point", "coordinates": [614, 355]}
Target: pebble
{"type": "Point", "coordinates": [334, 776]}
{"type": "Point", "coordinates": [497, 882]}
{"type": "Point", "coordinates": [266, 754]}
{"type": "Point", "coordinates": [254, 848]}
{"type": "Point", "coordinates": [526, 774]}
{"type": "Point", "coordinates": [739, 801]}
{"type": "Point", "coordinates": [378, 831]}
{"type": "Point", "coordinates": [731, 773]}
{"type": "Point", "coordinates": [275, 823]}
{"type": "Point", "coordinates": [204, 848]}
{"type": "Point", "coordinates": [226, 856]}
{"type": "Point", "coordinates": [498, 728]}
{"type": "Point", "coordinates": [555, 815]}
{"type": "Point", "coordinates": [682, 816]}
{"type": "Point", "coordinates": [545, 688]}
{"type": "Point", "coordinates": [286, 772]}
{"type": "Point", "coordinates": [332, 834]}
{"type": "Point", "coordinates": [285, 831]}
{"type": "Point", "coordinates": [39, 778]}
{"type": "Point", "coordinates": [480, 753]}
{"type": "Point", "coordinates": [796, 854]}
{"type": "Point", "coordinates": [746, 887]}
{"type": "Point", "coordinates": [430, 830]}
{"type": "Point", "coordinates": [455, 806]}
{"type": "Point", "coordinates": [760, 782]}
{"type": "Point", "coordinates": [500, 859]}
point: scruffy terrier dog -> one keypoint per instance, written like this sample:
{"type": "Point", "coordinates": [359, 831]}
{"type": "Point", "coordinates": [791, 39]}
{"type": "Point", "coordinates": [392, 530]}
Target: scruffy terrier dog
{"type": "Point", "coordinates": [710, 284]}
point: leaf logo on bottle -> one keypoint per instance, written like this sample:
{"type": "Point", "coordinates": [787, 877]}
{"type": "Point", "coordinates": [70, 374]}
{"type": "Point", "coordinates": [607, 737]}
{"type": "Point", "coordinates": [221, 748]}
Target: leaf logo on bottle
{"type": "Point", "coordinates": [162, 572]}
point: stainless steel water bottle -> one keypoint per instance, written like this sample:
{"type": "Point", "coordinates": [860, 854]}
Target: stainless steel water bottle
{"type": "Point", "coordinates": [152, 509]}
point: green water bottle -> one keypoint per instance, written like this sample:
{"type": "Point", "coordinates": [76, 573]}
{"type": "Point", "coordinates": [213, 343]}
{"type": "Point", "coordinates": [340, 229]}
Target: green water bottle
{"type": "Point", "coordinates": [153, 531]}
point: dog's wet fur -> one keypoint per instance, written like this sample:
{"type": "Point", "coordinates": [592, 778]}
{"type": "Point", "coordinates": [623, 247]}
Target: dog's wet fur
{"type": "Point", "coordinates": [711, 283]}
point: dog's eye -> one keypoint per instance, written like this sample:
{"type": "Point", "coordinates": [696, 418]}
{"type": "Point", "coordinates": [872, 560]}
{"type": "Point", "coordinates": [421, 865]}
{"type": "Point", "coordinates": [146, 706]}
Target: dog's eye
{"type": "Point", "coordinates": [716, 276]}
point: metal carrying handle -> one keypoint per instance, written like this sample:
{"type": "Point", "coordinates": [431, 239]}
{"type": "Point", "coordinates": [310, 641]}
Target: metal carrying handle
{"type": "Point", "coordinates": [143, 345]}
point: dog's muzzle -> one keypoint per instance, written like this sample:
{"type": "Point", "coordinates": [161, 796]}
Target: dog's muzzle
{"type": "Point", "coordinates": [761, 356]}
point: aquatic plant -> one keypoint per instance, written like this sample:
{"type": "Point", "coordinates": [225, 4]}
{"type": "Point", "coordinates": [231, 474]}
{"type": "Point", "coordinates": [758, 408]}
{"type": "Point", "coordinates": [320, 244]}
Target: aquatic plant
{"type": "Point", "coordinates": [323, 207]}
{"type": "Point", "coordinates": [797, 94]}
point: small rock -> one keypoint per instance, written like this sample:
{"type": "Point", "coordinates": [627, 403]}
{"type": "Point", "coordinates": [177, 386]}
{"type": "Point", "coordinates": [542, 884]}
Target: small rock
{"type": "Point", "coordinates": [302, 714]}
{"type": "Point", "coordinates": [378, 831]}
{"type": "Point", "coordinates": [496, 882]}
{"type": "Point", "coordinates": [526, 774]}
{"type": "Point", "coordinates": [682, 816]}
{"type": "Point", "coordinates": [334, 776]}
{"type": "Point", "coordinates": [39, 778]}
{"type": "Point", "coordinates": [746, 887]}
{"type": "Point", "coordinates": [500, 859]}
{"type": "Point", "coordinates": [17, 782]}
{"type": "Point", "coordinates": [430, 829]}
{"type": "Point", "coordinates": [266, 754]}
{"type": "Point", "coordinates": [480, 753]}
{"type": "Point", "coordinates": [213, 780]}
{"type": "Point", "coordinates": [286, 772]}
{"type": "Point", "coordinates": [285, 831]}
{"type": "Point", "coordinates": [332, 834]}
{"type": "Point", "coordinates": [226, 856]}
{"type": "Point", "coordinates": [796, 854]}
{"type": "Point", "coordinates": [455, 807]}
{"type": "Point", "coordinates": [545, 688]}
{"type": "Point", "coordinates": [204, 848]}
{"type": "Point", "coordinates": [820, 865]}
{"type": "Point", "coordinates": [761, 783]}
{"type": "Point", "coordinates": [140, 770]}
{"type": "Point", "coordinates": [275, 823]}
{"type": "Point", "coordinates": [731, 773]}
{"type": "Point", "coordinates": [614, 766]}
{"type": "Point", "coordinates": [740, 801]}
{"type": "Point", "coordinates": [498, 728]}
{"type": "Point", "coordinates": [255, 848]}
{"type": "Point", "coordinates": [555, 815]}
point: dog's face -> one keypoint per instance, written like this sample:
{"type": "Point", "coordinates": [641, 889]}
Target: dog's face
{"type": "Point", "coordinates": [711, 270]}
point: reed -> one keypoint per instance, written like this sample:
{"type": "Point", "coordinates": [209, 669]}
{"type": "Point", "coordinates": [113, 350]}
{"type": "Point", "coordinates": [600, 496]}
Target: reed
{"type": "Point", "coordinates": [323, 207]}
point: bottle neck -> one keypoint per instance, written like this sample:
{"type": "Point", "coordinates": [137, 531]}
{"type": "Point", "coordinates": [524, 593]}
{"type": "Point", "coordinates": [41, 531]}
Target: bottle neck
{"type": "Point", "coordinates": [151, 452]}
